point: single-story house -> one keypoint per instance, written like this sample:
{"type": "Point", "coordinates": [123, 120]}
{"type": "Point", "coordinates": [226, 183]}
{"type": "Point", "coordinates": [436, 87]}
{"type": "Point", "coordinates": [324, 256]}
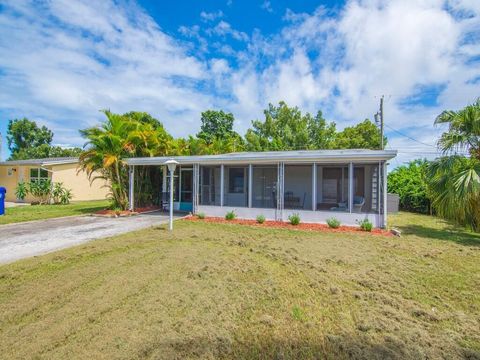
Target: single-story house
{"type": "Point", "coordinates": [62, 170]}
{"type": "Point", "coordinates": [349, 185]}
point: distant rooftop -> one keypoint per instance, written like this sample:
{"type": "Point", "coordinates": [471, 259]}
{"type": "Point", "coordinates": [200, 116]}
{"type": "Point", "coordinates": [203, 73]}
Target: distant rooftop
{"type": "Point", "coordinates": [41, 162]}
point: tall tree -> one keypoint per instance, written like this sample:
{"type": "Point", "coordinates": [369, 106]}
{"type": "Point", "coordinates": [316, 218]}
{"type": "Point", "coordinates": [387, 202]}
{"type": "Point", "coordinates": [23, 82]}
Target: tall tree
{"type": "Point", "coordinates": [117, 138]}
{"type": "Point", "coordinates": [45, 151]}
{"type": "Point", "coordinates": [286, 128]}
{"type": "Point", "coordinates": [364, 135]}
{"type": "Point", "coordinates": [454, 180]}
{"type": "Point", "coordinates": [216, 125]}
{"type": "Point", "coordinates": [24, 134]}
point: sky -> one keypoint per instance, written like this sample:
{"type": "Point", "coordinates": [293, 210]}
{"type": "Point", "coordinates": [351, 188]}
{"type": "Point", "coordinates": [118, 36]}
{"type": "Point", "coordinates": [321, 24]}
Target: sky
{"type": "Point", "coordinates": [61, 61]}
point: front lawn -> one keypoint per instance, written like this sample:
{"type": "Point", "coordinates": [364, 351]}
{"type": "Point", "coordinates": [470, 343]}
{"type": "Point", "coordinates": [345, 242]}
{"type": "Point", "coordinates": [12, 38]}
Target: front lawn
{"type": "Point", "coordinates": [38, 212]}
{"type": "Point", "coordinates": [235, 291]}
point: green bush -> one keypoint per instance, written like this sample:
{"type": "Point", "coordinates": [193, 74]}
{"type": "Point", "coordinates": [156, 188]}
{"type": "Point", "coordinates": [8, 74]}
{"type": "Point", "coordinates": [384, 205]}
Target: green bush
{"type": "Point", "coordinates": [201, 215]}
{"type": "Point", "coordinates": [410, 183]}
{"type": "Point", "coordinates": [294, 219]}
{"type": "Point", "coordinates": [260, 219]}
{"type": "Point", "coordinates": [60, 194]}
{"type": "Point", "coordinates": [333, 223]}
{"type": "Point", "coordinates": [21, 191]}
{"type": "Point", "coordinates": [230, 215]}
{"type": "Point", "coordinates": [365, 225]}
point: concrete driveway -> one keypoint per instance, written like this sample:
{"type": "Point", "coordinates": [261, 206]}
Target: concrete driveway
{"type": "Point", "coordinates": [23, 240]}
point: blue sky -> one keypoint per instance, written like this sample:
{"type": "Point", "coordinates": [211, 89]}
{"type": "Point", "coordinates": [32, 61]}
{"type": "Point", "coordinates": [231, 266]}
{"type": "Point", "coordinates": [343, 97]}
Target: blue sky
{"type": "Point", "coordinates": [61, 61]}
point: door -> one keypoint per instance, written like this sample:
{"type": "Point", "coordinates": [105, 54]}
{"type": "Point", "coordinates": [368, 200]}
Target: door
{"type": "Point", "coordinates": [186, 190]}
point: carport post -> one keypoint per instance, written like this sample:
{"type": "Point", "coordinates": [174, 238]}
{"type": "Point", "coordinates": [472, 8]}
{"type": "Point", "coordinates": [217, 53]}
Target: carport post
{"type": "Point", "coordinates": [131, 177]}
{"type": "Point", "coordinates": [171, 164]}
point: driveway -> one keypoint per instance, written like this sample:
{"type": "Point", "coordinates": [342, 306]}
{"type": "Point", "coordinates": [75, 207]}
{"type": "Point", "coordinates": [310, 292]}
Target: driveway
{"type": "Point", "coordinates": [23, 240]}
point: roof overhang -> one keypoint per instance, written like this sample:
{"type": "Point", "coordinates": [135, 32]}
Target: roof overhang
{"type": "Point", "coordinates": [307, 156]}
{"type": "Point", "coordinates": [40, 162]}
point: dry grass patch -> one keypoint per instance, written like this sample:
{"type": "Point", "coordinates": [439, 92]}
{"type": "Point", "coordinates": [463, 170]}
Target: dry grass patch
{"type": "Point", "coordinates": [230, 291]}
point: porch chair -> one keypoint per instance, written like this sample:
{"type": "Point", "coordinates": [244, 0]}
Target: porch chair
{"type": "Point", "coordinates": [358, 202]}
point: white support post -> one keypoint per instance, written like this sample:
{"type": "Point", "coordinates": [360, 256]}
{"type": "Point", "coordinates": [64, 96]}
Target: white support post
{"type": "Point", "coordinates": [164, 178]}
{"type": "Point", "coordinates": [385, 194]}
{"type": "Point", "coordinates": [222, 190]}
{"type": "Point", "coordinates": [131, 183]}
{"type": "Point", "coordinates": [314, 186]}
{"type": "Point", "coordinates": [250, 185]}
{"type": "Point", "coordinates": [319, 181]}
{"type": "Point", "coordinates": [170, 224]}
{"type": "Point", "coordinates": [350, 187]}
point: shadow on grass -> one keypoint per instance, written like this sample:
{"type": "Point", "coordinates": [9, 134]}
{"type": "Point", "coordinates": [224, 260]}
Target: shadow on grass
{"type": "Point", "coordinates": [450, 233]}
{"type": "Point", "coordinates": [89, 210]}
{"type": "Point", "coordinates": [330, 347]}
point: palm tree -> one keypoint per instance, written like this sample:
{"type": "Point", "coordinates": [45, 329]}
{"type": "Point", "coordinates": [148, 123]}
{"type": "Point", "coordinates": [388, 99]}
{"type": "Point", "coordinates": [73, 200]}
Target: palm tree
{"type": "Point", "coordinates": [106, 149]}
{"type": "Point", "coordinates": [454, 181]}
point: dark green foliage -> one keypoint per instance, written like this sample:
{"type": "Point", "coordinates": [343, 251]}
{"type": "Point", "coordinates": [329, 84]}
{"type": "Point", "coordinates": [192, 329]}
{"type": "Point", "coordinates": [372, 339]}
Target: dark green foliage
{"type": "Point", "coordinates": [333, 223]}
{"type": "Point", "coordinates": [26, 140]}
{"type": "Point", "coordinates": [409, 182]}
{"type": "Point", "coordinates": [216, 125]}
{"type": "Point", "coordinates": [201, 215]}
{"type": "Point", "coordinates": [24, 133]}
{"type": "Point", "coordinates": [285, 128]}
{"type": "Point", "coordinates": [364, 135]}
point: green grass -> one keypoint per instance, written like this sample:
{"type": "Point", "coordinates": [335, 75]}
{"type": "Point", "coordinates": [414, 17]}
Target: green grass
{"type": "Point", "coordinates": [37, 212]}
{"type": "Point", "coordinates": [231, 291]}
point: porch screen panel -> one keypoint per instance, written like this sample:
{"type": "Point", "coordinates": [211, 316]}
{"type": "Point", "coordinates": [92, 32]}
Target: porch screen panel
{"type": "Point", "coordinates": [332, 187]}
{"type": "Point", "coordinates": [369, 189]}
{"type": "Point", "coordinates": [298, 187]}
{"type": "Point", "coordinates": [235, 186]}
{"type": "Point", "coordinates": [264, 184]}
{"type": "Point", "coordinates": [209, 192]}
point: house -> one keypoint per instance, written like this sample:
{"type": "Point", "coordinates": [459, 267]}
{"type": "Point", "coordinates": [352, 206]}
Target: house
{"type": "Point", "coordinates": [62, 170]}
{"type": "Point", "coordinates": [349, 185]}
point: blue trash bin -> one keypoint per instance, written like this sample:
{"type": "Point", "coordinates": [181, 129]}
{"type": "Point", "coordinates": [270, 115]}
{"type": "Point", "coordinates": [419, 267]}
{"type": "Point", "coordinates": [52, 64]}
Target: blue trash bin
{"type": "Point", "coordinates": [3, 191]}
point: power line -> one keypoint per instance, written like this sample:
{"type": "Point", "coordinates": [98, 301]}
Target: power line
{"type": "Point", "coordinates": [409, 137]}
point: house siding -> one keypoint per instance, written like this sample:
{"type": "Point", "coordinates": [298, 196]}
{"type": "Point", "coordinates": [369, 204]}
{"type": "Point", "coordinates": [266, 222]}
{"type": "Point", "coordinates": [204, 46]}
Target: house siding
{"type": "Point", "coordinates": [79, 183]}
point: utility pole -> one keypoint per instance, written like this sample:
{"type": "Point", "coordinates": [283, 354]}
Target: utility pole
{"type": "Point", "coordinates": [379, 121]}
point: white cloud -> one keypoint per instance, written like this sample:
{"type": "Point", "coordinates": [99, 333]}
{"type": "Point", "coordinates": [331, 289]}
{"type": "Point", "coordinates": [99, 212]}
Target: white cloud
{"type": "Point", "coordinates": [108, 56]}
{"type": "Point", "coordinates": [223, 28]}
{"type": "Point", "coordinates": [102, 56]}
{"type": "Point", "coordinates": [211, 16]}
{"type": "Point", "coordinates": [267, 6]}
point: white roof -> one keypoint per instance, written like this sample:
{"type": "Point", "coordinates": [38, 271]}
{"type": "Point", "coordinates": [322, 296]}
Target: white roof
{"type": "Point", "coordinates": [327, 156]}
{"type": "Point", "coordinates": [41, 162]}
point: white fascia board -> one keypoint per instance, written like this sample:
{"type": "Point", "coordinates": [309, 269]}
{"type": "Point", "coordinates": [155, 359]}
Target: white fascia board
{"type": "Point", "coordinates": [268, 158]}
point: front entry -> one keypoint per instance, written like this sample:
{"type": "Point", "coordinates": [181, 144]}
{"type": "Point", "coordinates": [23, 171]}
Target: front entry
{"type": "Point", "coordinates": [186, 189]}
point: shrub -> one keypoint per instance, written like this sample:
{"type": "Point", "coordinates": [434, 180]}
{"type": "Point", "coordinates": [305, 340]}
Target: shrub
{"type": "Point", "coordinates": [60, 194]}
{"type": "Point", "coordinates": [201, 215]}
{"type": "Point", "coordinates": [21, 191]}
{"type": "Point", "coordinates": [365, 225]}
{"type": "Point", "coordinates": [294, 219]}
{"type": "Point", "coordinates": [41, 190]}
{"type": "Point", "coordinates": [333, 223]}
{"type": "Point", "coordinates": [260, 219]}
{"type": "Point", "coordinates": [230, 215]}
{"type": "Point", "coordinates": [410, 183]}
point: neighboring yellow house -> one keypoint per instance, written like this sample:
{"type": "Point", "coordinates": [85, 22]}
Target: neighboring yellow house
{"type": "Point", "coordinates": [62, 170]}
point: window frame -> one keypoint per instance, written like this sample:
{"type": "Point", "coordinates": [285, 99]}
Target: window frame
{"type": "Point", "coordinates": [38, 177]}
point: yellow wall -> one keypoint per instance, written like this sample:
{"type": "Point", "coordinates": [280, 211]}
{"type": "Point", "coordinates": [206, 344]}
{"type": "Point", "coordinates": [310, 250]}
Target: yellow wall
{"type": "Point", "coordinates": [79, 183]}
{"type": "Point", "coordinates": [9, 182]}
{"type": "Point", "coordinates": [66, 174]}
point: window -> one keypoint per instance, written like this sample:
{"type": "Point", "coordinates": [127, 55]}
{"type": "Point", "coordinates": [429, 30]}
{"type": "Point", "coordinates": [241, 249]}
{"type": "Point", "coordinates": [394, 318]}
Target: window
{"type": "Point", "coordinates": [10, 171]}
{"type": "Point", "coordinates": [37, 174]}
{"type": "Point", "coordinates": [236, 180]}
